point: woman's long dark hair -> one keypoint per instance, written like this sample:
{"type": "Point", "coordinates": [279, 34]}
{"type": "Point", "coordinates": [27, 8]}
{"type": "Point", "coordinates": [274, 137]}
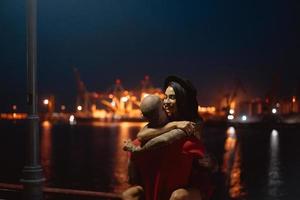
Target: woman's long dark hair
{"type": "Point", "coordinates": [186, 101]}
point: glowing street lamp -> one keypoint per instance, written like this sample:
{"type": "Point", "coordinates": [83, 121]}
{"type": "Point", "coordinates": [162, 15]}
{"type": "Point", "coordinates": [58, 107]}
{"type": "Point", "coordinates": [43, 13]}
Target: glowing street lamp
{"type": "Point", "coordinates": [46, 101]}
{"type": "Point", "coordinates": [79, 108]}
{"type": "Point", "coordinates": [14, 107]}
{"type": "Point", "coordinates": [230, 117]}
{"type": "Point", "coordinates": [244, 117]}
{"type": "Point", "coordinates": [274, 110]}
{"type": "Point", "coordinates": [63, 107]}
{"type": "Point", "coordinates": [124, 99]}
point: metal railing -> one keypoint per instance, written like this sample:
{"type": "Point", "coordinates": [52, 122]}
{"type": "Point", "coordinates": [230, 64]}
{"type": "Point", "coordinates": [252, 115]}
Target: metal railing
{"type": "Point", "coordinates": [63, 191]}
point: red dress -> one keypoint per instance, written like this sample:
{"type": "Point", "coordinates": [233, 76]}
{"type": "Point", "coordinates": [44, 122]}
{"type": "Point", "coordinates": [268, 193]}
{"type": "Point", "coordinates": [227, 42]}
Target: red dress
{"type": "Point", "coordinates": [168, 168]}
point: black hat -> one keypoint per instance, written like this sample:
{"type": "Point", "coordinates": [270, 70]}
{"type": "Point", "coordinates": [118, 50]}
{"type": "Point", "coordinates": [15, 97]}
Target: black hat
{"type": "Point", "coordinates": [186, 84]}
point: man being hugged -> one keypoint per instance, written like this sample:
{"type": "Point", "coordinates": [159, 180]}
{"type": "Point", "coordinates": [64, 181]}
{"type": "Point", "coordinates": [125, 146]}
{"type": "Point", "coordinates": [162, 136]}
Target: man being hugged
{"type": "Point", "coordinates": [162, 156]}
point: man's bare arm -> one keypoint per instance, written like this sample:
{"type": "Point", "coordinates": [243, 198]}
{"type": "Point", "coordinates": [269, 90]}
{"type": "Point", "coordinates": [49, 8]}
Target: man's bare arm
{"type": "Point", "coordinates": [183, 129]}
{"type": "Point", "coordinates": [148, 133]}
{"type": "Point", "coordinates": [163, 140]}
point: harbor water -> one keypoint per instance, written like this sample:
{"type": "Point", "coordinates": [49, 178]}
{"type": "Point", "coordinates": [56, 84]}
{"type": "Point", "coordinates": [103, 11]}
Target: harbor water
{"type": "Point", "coordinates": [256, 163]}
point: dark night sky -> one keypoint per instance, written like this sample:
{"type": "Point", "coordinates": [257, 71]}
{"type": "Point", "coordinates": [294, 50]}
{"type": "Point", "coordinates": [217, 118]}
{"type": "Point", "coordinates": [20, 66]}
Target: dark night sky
{"type": "Point", "coordinates": [210, 42]}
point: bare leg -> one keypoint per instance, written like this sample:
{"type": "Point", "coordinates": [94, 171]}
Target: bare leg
{"type": "Point", "coordinates": [184, 194]}
{"type": "Point", "coordinates": [194, 194]}
{"type": "Point", "coordinates": [180, 194]}
{"type": "Point", "coordinates": [133, 193]}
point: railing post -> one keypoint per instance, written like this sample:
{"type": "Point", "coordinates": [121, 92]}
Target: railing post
{"type": "Point", "coordinates": [32, 172]}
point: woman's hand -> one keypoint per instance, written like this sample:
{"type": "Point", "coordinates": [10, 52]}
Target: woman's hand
{"type": "Point", "coordinates": [129, 146]}
{"type": "Point", "coordinates": [187, 126]}
{"type": "Point", "coordinates": [198, 130]}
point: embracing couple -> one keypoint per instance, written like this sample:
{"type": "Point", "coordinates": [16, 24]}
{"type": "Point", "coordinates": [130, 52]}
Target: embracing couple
{"type": "Point", "coordinates": [168, 159]}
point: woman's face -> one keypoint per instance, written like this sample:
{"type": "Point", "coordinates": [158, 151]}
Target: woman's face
{"type": "Point", "coordinates": [169, 102]}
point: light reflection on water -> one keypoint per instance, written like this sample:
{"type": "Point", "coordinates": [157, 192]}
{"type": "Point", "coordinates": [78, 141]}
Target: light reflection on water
{"type": "Point", "coordinates": [121, 157]}
{"type": "Point", "coordinates": [112, 164]}
{"type": "Point", "coordinates": [274, 178]}
{"type": "Point", "coordinates": [232, 165]}
{"type": "Point", "coordinates": [236, 185]}
{"type": "Point", "coordinates": [229, 147]}
{"type": "Point", "coordinates": [46, 148]}
{"type": "Point", "coordinates": [119, 132]}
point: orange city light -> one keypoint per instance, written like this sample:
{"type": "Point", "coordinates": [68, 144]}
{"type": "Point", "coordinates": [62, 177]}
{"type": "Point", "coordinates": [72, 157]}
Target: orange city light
{"type": "Point", "coordinates": [14, 107]}
{"type": "Point", "coordinates": [113, 103]}
{"type": "Point", "coordinates": [209, 109]}
{"type": "Point", "coordinates": [63, 107]}
{"type": "Point", "coordinates": [144, 95]}
{"type": "Point", "coordinates": [46, 102]}
{"type": "Point", "coordinates": [124, 99]}
{"type": "Point", "coordinates": [79, 108]}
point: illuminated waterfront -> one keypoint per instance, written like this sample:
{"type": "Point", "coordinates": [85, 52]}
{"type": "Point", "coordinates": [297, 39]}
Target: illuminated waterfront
{"type": "Point", "coordinates": [261, 163]}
